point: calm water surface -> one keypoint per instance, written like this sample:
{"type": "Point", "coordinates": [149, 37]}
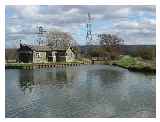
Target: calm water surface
{"type": "Point", "coordinates": [85, 91]}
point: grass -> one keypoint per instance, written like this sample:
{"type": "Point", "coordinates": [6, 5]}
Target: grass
{"type": "Point", "coordinates": [17, 65]}
{"type": "Point", "coordinates": [136, 64]}
{"type": "Point", "coordinates": [126, 61]}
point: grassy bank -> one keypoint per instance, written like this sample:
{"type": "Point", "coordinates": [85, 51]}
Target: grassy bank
{"type": "Point", "coordinates": [136, 64]}
{"type": "Point", "coordinates": [17, 65]}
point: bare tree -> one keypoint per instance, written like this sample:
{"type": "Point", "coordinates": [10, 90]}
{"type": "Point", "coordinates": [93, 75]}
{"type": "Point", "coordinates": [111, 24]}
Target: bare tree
{"type": "Point", "coordinates": [111, 43]}
{"type": "Point", "coordinates": [58, 38]}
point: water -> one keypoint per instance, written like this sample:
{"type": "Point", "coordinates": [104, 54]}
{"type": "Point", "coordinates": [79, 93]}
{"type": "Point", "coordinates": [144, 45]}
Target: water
{"type": "Point", "coordinates": [85, 91]}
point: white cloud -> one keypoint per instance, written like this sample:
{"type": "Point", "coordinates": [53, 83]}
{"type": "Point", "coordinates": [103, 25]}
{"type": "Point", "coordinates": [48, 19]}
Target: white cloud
{"type": "Point", "coordinates": [130, 22]}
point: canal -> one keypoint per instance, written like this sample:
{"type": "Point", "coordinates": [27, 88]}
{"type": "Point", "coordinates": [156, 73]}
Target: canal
{"type": "Point", "coordinates": [83, 91]}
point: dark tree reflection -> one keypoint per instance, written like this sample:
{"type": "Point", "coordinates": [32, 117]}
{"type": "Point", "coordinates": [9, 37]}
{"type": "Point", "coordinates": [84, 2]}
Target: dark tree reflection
{"type": "Point", "coordinates": [26, 80]}
{"type": "Point", "coordinates": [106, 76]}
{"type": "Point", "coordinates": [57, 77]}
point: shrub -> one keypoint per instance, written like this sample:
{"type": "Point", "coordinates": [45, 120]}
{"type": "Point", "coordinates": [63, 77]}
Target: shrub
{"type": "Point", "coordinates": [146, 53]}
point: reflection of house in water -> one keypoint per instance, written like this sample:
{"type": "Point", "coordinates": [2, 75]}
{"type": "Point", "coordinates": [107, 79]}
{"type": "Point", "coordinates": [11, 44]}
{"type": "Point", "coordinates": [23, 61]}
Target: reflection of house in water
{"type": "Point", "coordinates": [58, 77]}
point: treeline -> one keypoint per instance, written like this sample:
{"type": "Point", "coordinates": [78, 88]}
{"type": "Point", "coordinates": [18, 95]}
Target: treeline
{"type": "Point", "coordinates": [144, 51]}
{"type": "Point", "coordinates": [11, 54]}
{"type": "Point", "coordinates": [147, 52]}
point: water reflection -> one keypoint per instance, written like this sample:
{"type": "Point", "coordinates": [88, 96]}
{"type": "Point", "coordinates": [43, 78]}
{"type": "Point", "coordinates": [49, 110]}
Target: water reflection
{"type": "Point", "coordinates": [57, 77]}
{"type": "Point", "coordinates": [106, 77]}
{"type": "Point", "coordinates": [86, 91]}
{"type": "Point", "coordinates": [26, 80]}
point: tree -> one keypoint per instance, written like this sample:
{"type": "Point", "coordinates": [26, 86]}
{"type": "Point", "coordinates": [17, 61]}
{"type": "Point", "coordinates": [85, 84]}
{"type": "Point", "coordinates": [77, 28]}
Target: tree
{"type": "Point", "coordinates": [146, 53]}
{"type": "Point", "coordinates": [96, 52]}
{"type": "Point", "coordinates": [58, 38]}
{"type": "Point", "coordinates": [111, 43]}
{"type": "Point", "coordinates": [11, 54]}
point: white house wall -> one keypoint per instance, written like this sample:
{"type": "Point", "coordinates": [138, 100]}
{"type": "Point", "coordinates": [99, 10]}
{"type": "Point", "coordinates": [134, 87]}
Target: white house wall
{"type": "Point", "coordinates": [39, 57]}
{"type": "Point", "coordinates": [70, 57]}
{"type": "Point", "coordinates": [54, 56]}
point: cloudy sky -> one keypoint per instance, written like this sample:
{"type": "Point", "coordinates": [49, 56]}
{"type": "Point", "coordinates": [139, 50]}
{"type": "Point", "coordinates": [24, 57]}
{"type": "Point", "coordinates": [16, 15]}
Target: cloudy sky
{"type": "Point", "coordinates": [134, 24]}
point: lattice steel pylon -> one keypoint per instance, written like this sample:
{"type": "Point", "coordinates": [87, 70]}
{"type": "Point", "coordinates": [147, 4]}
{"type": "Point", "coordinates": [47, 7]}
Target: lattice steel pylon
{"type": "Point", "coordinates": [89, 30]}
{"type": "Point", "coordinates": [40, 34]}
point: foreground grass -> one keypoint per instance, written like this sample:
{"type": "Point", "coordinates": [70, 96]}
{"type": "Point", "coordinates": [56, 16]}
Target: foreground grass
{"type": "Point", "coordinates": [136, 64]}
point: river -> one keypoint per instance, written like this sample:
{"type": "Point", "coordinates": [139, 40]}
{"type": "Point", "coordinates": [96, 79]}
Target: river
{"type": "Point", "coordinates": [83, 91]}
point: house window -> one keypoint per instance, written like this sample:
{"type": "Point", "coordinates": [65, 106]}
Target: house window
{"type": "Point", "coordinates": [38, 55]}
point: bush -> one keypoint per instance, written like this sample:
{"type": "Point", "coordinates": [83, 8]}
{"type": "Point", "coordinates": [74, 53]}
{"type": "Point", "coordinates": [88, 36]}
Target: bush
{"type": "Point", "coordinates": [146, 53]}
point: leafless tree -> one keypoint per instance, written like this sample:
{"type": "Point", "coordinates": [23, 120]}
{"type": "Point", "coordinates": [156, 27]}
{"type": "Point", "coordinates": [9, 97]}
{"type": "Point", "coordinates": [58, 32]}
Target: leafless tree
{"type": "Point", "coordinates": [60, 38]}
{"type": "Point", "coordinates": [111, 43]}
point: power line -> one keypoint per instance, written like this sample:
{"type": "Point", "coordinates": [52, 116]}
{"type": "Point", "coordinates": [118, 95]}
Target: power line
{"type": "Point", "coordinates": [89, 30]}
{"type": "Point", "coordinates": [41, 32]}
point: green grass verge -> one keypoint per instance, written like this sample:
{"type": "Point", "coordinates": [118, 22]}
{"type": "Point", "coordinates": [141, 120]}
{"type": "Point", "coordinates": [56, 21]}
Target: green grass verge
{"type": "Point", "coordinates": [135, 64]}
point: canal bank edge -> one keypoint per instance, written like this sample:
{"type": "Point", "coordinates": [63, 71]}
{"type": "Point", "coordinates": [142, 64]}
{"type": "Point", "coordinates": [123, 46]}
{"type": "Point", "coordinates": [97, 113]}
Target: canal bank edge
{"type": "Point", "coordinates": [127, 62]}
{"type": "Point", "coordinates": [135, 64]}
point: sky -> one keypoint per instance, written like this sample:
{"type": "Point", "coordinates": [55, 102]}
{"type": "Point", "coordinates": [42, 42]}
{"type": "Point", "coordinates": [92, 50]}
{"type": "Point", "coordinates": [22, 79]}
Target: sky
{"type": "Point", "coordinates": [134, 24]}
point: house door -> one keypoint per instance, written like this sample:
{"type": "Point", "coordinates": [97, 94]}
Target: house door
{"type": "Point", "coordinates": [49, 56]}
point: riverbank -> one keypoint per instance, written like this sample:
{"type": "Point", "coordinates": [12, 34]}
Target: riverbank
{"type": "Point", "coordinates": [127, 62]}
{"type": "Point", "coordinates": [41, 65]}
{"type": "Point", "coordinates": [136, 64]}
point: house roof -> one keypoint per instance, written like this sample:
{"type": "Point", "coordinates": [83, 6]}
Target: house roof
{"type": "Point", "coordinates": [44, 47]}
{"type": "Point", "coordinates": [41, 48]}
{"type": "Point", "coordinates": [48, 48]}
